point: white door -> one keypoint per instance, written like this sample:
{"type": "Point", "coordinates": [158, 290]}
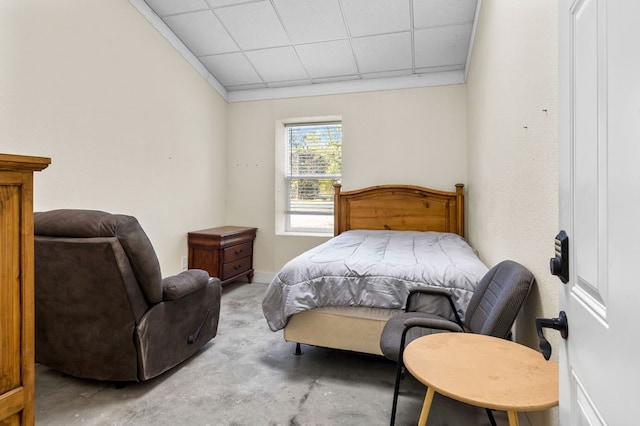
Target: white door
{"type": "Point", "coordinates": [599, 139]}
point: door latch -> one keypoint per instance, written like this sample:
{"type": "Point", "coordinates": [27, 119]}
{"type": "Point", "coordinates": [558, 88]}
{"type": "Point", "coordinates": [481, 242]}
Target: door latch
{"type": "Point", "coordinates": [561, 324]}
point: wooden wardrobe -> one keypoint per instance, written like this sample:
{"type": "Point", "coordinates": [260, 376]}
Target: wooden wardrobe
{"type": "Point", "coordinates": [16, 288]}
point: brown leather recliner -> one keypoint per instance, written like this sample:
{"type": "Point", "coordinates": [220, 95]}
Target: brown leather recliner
{"type": "Point", "coordinates": [103, 310]}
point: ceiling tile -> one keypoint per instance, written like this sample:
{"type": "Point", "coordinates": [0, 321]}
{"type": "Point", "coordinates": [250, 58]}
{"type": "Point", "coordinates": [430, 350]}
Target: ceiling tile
{"type": "Point", "coordinates": [171, 7]}
{"type": "Point", "coordinates": [430, 13]}
{"type": "Point", "coordinates": [383, 53]}
{"type": "Point", "coordinates": [277, 64]}
{"type": "Point", "coordinates": [368, 17]}
{"type": "Point", "coordinates": [231, 69]}
{"type": "Point", "coordinates": [442, 46]}
{"type": "Point", "coordinates": [309, 21]}
{"type": "Point", "coordinates": [253, 25]}
{"type": "Point", "coordinates": [222, 3]}
{"type": "Point", "coordinates": [328, 59]}
{"type": "Point", "coordinates": [201, 32]}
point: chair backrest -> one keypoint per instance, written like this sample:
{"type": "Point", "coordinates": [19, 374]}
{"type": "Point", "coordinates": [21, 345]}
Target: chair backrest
{"type": "Point", "coordinates": [85, 224]}
{"type": "Point", "coordinates": [96, 275]}
{"type": "Point", "coordinates": [498, 298]}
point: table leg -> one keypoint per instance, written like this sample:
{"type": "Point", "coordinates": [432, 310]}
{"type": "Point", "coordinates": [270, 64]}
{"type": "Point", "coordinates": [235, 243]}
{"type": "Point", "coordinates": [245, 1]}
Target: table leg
{"type": "Point", "coordinates": [428, 399]}
{"type": "Point", "coordinates": [513, 418]}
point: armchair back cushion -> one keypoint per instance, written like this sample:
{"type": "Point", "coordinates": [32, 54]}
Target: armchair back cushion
{"type": "Point", "coordinates": [126, 230]}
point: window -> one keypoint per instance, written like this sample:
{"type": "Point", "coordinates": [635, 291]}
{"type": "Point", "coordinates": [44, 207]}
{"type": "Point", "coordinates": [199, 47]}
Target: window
{"type": "Point", "coordinates": [312, 164]}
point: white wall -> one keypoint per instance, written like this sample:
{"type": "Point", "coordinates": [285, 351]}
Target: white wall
{"type": "Point", "coordinates": [128, 124]}
{"type": "Point", "coordinates": [512, 149]}
{"type": "Point", "coordinates": [412, 136]}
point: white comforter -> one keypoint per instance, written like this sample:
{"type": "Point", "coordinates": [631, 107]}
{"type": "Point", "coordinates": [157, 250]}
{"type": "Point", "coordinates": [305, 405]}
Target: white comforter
{"type": "Point", "coordinates": [375, 269]}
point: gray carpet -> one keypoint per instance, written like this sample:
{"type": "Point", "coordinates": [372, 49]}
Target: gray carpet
{"type": "Point", "coordinates": [248, 375]}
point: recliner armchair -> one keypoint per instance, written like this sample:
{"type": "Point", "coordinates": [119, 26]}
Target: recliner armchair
{"type": "Point", "coordinates": [103, 310]}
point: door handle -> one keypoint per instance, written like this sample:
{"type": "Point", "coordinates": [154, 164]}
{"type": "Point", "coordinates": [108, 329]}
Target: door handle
{"type": "Point", "coordinates": [561, 324]}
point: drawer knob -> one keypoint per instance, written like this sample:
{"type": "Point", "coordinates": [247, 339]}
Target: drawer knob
{"type": "Point", "coordinates": [238, 251]}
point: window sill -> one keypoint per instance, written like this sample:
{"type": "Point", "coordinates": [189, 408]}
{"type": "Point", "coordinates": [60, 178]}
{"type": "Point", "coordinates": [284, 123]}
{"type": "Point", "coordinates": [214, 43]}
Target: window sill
{"type": "Point", "coordinates": [305, 234]}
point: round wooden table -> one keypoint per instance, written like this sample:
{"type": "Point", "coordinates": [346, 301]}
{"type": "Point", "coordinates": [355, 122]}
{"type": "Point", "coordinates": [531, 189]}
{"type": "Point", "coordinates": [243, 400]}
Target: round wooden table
{"type": "Point", "coordinates": [483, 371]}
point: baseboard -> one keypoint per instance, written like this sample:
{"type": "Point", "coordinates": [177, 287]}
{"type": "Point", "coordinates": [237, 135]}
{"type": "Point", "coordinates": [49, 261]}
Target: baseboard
{"type": "Point", "coordinates": [263, 277]}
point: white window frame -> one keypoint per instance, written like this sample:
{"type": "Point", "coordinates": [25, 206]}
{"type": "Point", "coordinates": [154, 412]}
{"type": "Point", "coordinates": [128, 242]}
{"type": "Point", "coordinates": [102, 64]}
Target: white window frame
{"type": "Point", "coordinates": [281, 183]}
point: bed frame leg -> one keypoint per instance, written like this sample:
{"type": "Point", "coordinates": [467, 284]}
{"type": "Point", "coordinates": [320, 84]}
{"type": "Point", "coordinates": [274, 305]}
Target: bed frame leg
{"type": "Point", "coordinates": [298, 350]}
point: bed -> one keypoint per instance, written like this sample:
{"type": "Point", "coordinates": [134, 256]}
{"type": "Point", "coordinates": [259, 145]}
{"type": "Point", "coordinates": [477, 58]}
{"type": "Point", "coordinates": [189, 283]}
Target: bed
{"type": "Point", "coordinates": [388, 239]}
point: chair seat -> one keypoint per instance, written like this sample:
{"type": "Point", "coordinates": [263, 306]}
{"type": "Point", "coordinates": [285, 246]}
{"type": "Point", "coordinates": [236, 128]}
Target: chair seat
{"type": "Point", "coordinates": [392, 332]}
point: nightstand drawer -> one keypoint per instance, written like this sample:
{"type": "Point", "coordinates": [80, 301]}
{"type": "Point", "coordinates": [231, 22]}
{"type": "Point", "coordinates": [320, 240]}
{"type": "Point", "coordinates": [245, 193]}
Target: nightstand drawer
{"type": "Point", "coordinates": [235, 268]}
{"type": "Point", "coordinates": [236, 252]}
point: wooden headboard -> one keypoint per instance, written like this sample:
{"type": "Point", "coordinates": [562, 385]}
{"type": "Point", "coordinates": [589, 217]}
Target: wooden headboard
{"type": "Point", "coordinates": [399, 208]}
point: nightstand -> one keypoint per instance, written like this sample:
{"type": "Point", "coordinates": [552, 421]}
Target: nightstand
{"type": "Point", "coordinates": [225, 252]}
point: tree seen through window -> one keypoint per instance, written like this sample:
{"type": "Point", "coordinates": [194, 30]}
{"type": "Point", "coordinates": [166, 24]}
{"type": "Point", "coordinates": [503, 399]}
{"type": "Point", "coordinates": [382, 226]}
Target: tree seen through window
{"type": "Point", "coordinates": [314, 164]}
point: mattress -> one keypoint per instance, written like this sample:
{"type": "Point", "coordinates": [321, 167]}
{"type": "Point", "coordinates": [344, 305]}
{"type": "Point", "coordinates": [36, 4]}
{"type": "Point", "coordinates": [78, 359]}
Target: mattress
{"type": "Point", "coordinates": [372, 269]}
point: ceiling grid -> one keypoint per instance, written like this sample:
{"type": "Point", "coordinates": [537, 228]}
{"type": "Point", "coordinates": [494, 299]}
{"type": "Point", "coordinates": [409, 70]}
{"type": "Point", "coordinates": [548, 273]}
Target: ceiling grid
{"type": "Point", "coordinates": [249, 45]}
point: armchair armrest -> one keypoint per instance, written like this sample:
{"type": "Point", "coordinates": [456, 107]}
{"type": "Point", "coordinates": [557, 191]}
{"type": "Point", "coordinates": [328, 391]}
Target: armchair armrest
{"type": "Point", "coordinates": [433, 291]}
{"type": "Point", "coordinates": [437, 292]}
{"type": "Point", "coordinates": [186, 282]}
{"type": "Point", "coordinates": [435, 323]}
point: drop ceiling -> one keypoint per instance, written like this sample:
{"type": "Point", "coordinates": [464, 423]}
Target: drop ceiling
{"type": "Point", "coordinates": [261, 49]}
